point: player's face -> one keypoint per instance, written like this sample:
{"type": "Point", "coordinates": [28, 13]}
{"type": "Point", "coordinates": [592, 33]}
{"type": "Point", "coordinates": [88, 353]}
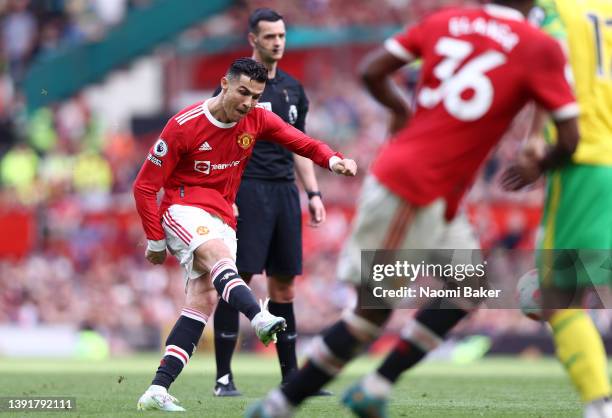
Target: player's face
{"type": "Point", "coordinates": [269, 41]}
{"type": "Point", "coordinates": [241, 95]}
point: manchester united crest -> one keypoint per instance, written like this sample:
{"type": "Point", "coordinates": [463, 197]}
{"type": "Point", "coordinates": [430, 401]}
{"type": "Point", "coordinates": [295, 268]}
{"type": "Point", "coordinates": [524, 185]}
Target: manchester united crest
{"type": "Point", "coordinates": [245, 140]}
{"type": "Point", "coordinates": [202, 230]}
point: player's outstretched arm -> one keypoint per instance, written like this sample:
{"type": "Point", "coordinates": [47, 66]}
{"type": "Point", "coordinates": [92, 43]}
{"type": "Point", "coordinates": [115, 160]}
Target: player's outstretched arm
{"type": "Point", "coordinates": [277, 130]}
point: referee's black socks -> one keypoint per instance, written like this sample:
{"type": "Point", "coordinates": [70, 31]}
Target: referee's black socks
{"type": "Point", "coordinates": [285, 346]}
{"type": "Point", "coordinates": [226, 335]}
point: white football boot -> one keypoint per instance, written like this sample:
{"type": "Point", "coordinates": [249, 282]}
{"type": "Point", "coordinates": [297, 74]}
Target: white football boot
{"type": "Point", "coordinates": [157, 398]}
{"type": "Point", "coordinates": [267, 325]}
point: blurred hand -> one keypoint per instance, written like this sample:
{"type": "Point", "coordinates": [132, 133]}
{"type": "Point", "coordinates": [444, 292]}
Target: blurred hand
{"type": "Point", "coordinates": [236, 211]}
{"type": "Point", "coordinates": [520, 174]}
{"type": "Point", "coordinates": [526, 170]}
{"type": "Point", "coordinates": [317, 211]}
{"type": "Point", "coordinates": [346, 167]}
{"type": "Point", "coordinates": [156, 257]}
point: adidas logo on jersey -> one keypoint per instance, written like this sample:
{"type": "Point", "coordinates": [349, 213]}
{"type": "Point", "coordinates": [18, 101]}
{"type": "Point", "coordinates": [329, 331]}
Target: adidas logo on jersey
{"type": "Point", "coordinates": [205, 147]}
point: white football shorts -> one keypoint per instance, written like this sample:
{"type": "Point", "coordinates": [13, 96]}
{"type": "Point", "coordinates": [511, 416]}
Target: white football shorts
{"type": "Point", "coordinates": [188, 227]}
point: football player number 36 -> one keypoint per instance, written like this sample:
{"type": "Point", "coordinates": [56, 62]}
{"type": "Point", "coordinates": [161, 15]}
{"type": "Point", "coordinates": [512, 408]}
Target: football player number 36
{"type": "Point", "coordinates": [466, 94]}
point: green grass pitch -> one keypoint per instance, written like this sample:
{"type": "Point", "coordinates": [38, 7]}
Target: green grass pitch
{"type": "Point", "coordinates": [493, 387]}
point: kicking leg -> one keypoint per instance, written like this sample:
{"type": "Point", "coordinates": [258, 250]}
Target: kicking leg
{"type": "Point", "coordinates": [215, 256]}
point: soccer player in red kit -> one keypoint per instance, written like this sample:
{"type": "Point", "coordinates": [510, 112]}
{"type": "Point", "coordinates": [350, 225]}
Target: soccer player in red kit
{"type": "Point", "coordinates": [481, 65]}
{"type": "Point", "coordinates": [199, 160]}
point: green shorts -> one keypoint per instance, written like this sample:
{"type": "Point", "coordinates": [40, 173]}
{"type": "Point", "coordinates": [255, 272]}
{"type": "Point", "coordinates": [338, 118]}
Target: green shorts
{"type": "Point", "coordinates": [576, 240]}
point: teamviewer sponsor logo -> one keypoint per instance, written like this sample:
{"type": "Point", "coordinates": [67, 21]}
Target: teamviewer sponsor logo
{"type": "Point", "coordinates": [206, 167]}
{"type": "Point", "coordinates": [224, 166]}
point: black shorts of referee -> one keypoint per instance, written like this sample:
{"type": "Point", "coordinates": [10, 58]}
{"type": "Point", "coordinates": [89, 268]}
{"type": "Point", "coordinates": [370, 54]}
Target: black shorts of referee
{"type": "Point", "coordinates": [269, 228]}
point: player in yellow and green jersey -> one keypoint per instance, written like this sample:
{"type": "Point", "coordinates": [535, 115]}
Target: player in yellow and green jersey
{"type": "Point", "coordinates": [578, 208]}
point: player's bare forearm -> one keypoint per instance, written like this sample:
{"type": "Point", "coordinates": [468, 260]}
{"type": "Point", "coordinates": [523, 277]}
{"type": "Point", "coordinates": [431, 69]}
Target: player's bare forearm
{"type": "Point", "coordinates": [375, 71]}
{"type": "Point", "coordinates": [561, 153]}
{"type": "Point", "coordinates": [304, 169]}
{"type": "Point", "coordinates": [540, 118]}
{"type": "Point", "coordinates": [535, 160]}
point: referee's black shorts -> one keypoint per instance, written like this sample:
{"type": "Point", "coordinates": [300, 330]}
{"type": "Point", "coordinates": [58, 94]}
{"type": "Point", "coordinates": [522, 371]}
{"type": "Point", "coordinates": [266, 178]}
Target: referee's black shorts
{"type": "Point", "coordinates": [269, 228]}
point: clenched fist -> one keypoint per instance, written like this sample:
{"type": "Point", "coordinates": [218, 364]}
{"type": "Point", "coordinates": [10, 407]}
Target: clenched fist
{"type": "Point", "coordinates": [346, 167]}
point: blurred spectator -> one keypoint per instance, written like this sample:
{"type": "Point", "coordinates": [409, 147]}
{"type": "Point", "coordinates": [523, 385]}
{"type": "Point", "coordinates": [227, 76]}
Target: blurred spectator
{"type": "Point", "coordinates": [19, 31]}
{"type": "Point", "coordinates": [18, 171]}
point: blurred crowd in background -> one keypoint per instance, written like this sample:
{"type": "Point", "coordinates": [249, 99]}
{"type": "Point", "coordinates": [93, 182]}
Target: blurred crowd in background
{"type": "Point", "coordinates": [67, 176]}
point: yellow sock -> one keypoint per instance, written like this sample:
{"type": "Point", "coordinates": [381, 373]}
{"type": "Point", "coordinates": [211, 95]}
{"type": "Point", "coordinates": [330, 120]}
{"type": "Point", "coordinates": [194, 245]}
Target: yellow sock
{"type": "Point", "coordinates": [581, 351]}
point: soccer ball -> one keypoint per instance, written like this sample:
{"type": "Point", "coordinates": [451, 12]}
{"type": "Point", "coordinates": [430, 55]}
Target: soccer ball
{"type": "Point", "coordinates": [529, 295]}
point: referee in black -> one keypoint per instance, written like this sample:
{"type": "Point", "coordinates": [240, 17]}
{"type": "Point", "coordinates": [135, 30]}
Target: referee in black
{"type": "Point", "coordinates": [269, 216]}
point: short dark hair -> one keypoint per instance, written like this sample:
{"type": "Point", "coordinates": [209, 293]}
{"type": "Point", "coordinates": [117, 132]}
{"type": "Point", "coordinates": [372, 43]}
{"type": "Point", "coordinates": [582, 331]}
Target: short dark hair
{"type": "Point", "coordinates": [264, 14]}
{"type": "Point", "coordinates": [249, 67]}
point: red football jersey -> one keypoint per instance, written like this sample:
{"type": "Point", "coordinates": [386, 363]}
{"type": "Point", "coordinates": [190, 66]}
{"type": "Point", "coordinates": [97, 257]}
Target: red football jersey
{"type": "Point", "coordinates": [480, 67]}
{"type": "Point", "coordinates": [199, 161]}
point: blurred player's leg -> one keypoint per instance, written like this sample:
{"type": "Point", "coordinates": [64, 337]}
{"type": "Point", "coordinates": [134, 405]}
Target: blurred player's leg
{"type": "Point", "coordinates": [577, 215]}
{"type": "Point", "coordinates": [580, 349]}
{"type": "Point", "coordinates": [418, 338]}
{"type": "Point", "coordinates": [328, 354]}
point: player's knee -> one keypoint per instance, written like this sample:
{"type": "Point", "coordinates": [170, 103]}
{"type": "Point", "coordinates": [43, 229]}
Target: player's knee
{"type": "Point", "coordinates": [209, 253]}
{"type": "Point", "coordinates": [375, 316]}
{"type": "Point", "coordinates": [281, 289]}
{"type": "Point", "coordinates": [363, 328]}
